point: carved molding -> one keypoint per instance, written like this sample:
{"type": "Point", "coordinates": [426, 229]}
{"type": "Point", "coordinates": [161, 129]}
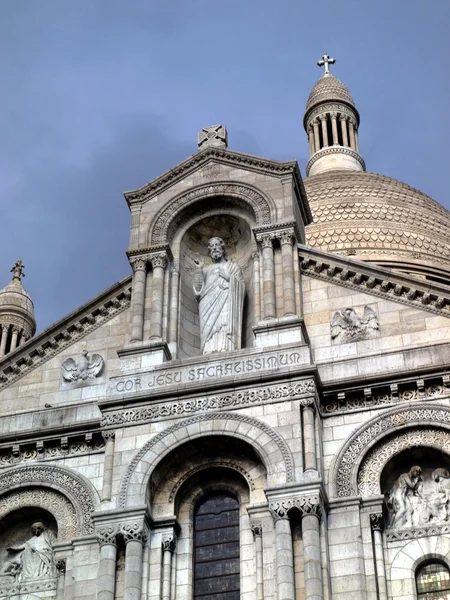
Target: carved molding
{"type": "Point", "coordinates": [261, 208]}
{"type": "Point", "coordinates": [226, 418]}
{"type": "Point", "coordinates": [70, 484]}
{"type": "Point", "coordinates": [349, 458]}
{"type": "Point", "coordinates": [50, 500]}
{"type": "Point", "coordinates": [51, 342]}
{"type": "Point", "coordinates": [384, 283]}
{"type": "Point", "coordinates": [417, 532]}
{"type": "Point", "coordinates": [307, 505]}
{"type": "Point", "coordinates": [228, 401]}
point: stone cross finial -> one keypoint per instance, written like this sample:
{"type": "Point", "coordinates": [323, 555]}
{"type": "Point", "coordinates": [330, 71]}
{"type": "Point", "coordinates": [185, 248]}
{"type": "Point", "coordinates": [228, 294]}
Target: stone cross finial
{"type": "Point", "coordinates": [215, 136]}
{"type": "Point", "coordinates": [17, 270]}
{"type": "Point", "coordinates": [326, 62]}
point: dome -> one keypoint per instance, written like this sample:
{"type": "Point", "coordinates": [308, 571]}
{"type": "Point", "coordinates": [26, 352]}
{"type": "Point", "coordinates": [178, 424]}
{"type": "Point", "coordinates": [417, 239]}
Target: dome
{"type": "Point", "coordinates": [329, 89]}
{"type": "Point", "coordinates": [14, 298]}
{"type": "Point", "coordinates": [381, 220]}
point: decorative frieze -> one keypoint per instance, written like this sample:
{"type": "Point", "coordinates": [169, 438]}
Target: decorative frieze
{"type": "Point", "coordinates": [226, 401]}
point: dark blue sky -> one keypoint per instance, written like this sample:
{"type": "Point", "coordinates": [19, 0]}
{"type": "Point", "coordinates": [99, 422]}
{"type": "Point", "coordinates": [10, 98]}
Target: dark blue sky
{"type": "Point", "coordinates": [101, 96]}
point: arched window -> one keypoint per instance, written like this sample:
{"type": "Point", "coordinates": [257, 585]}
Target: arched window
{"type": "Point", "coordinates": [216, 548]}
{"type": "Point", "coordinates": [433, 582]}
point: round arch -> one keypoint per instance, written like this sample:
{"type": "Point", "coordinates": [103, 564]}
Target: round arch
{"type": "Point", "coordinates": [170, 216]}
{"type": "Point", "coordinates": [72, 486]}
{"type": "Point", "coordinates": [267, 443]}
{"type": "Point", "coordinates": [415, 417]}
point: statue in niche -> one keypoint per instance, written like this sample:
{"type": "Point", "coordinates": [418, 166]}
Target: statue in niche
{"type": "Point", "coordinates": [348, 326]}
{"type": "Point", "coordinates": [219, 289]}
{"type": "Point", "coordinates": [34, 559]}
{"type": "Point", "coordinates": [83, 368]}
{"type": "Point", "coordinates": [400, 501]}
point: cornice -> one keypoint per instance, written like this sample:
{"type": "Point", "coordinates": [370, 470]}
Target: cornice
{"type": "Point", "coordinates": [65, 332]}
{"type": "Point", "coordinates": [224, 156]}
{"type": "Point", "coordinates": [375, 281]}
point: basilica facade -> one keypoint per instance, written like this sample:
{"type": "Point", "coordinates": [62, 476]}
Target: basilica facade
{"type": "Point", "coordinates": [260, 410]}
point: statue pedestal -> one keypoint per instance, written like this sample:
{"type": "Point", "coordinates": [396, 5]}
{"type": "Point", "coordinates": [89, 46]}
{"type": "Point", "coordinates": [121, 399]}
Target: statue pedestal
{"type": "Point", "coordinates": [142, 355]}
{"type": "Point", "coordinates": [278, 332]}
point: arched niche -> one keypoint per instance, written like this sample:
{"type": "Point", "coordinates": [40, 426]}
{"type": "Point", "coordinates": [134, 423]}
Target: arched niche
{"type": "Point", "coordinates": [234, 227]}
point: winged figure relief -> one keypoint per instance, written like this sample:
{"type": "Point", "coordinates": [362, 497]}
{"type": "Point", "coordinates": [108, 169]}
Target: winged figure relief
{"type": "Point", "coordinates": [348, 326]}
{"type": "Point", "coordinates": [82, 368]}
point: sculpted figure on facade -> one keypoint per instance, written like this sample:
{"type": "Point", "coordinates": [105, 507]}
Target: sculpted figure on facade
{"type": "Point", "coordinates": [83, 368]}
{"type": "Point", "coordinates": [400, 501]}
{"type": "Point", "coordinates": [34, 559]}
{"type": "Point", "coordinates": [348, 326]}
{"type": "Point", "coordinates": [219, 289]}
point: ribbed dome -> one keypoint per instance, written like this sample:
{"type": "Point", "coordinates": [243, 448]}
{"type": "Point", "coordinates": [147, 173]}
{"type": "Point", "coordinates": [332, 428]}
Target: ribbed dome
{"type": "Point", "coordinates": [379, 219]}
{"type": "Point", "coordinates": [328, 88]}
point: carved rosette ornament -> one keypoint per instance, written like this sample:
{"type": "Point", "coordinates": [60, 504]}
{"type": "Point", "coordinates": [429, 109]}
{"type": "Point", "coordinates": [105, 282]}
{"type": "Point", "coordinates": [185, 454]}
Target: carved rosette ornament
{"type": "Point", "coordinates": [107, 535]}
{"type": "Point", "coordinates": [133, 532]}
{"type": "Point", "coordinates": [169, 542]}
{"type": "Point", "coordinates": [376, 521]}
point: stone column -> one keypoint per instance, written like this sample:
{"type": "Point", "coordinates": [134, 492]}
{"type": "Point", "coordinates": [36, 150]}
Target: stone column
{"type": "Point", "coordinates": [376, 523]}
{"type": "Point", "coordinates": [134, 538]}
{"type": "Point", "coordinates": [61, 570]}
{"type": "Point", "coordinates": [268, 276]}
{"type": "Point", "coordinates": [311, 140]}
{"type": "Point", "coordinates": [108, 436]}
{"type": "Point", "coordinates": [284, 552]}
{"type": "Point", "coordinates": [107, 538]}
{"type": "Point", "coordinates": [23, 338]}
{"type": "Point", "coordinates": [343, 120]}
{"type": "Point", "coordinates": [334, 128]}
{"type": "Point", "coordinates": [323, 121]}
{"type": "Point", "coordinates": [15, 333]}
{"type": "Point", "coordinates": [352, 134]}
{"type": "Point", "coordinates": [169, 541]}
{"type": "Point", "coordinates": [139, 266]}
{"type": "Point", "coordinates": [159, 262]}
{"type": "Point", "coordinates": [287, 239]}
{"type": "Point", "coordinates": [257, 535]}
{"type": "Point", "coordinates": [5, 331]}
{"type": "Point", "coordinates": [316, 135]}
{"type": "Point", "coordinates": [311, 511]}
{"type": "Point", "coordinates": [309, 437]}
{"type": "Point", "coordinates": [356, 140]}
{"type": "Point", "coordinates": [256, 286]}
{"type": "Point", "coordinates": [174, 293]}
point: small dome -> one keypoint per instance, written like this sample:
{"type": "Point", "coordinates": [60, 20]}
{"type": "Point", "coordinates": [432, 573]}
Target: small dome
{"type": "Point", "coordinates": [16, 313]}
{"type": "Point", "coordinates": [381, 220]}
{"type": "Point", "coordinates": [14, 297]}
{"type": "Point", "coordinates": [328, 89]}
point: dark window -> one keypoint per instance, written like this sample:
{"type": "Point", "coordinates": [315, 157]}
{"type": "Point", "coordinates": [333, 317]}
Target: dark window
{"type": "Point", "coordinates": [433, 582]}
{"type": "Point", "coordinates": [216, 548]}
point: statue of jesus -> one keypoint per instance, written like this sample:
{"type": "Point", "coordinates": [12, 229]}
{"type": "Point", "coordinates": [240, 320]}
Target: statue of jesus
{"type": "Point", "coordinates": [219, 289]}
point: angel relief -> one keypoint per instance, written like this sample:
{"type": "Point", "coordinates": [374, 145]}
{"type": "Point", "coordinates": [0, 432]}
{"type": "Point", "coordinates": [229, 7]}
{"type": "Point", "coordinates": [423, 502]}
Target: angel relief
{"type": "Point", "coordinates": [348, 326]}
{"type": "Point", "coordinates": [83, 368]}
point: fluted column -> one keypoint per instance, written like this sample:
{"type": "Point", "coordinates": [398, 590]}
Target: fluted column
{"type": "Point", "coordinates": [107, 538]}
{"type": "Point", "coordinates": [15, 334]}
{"type": "Point", "coordinates": [169, 541]}
{"type": "Point", "coordinates": [268, 275]}
{"type": "Point", "coordinates": [5, 332]}
{"type": "Point", "coordinates": [311, 140]}
{"type": "Point", "coordinates": [309, 436]}
{"type": "Point", "coordinates": [257, 285]}
{"type": "Point", "coordinates": [323, 121]}
{"type": "Point", "coordinates": [287, 239]}
{"type": "Point", "coordinates": [134, 538]}
{"type": "Point", "coordinates": [257, 536]}
{"type": "Point", "coordinates": [334, 128]}
{"type": "Point", "coordinates": [343, 121]}
{"type": "Point", "coordinates": [376, 523]}
{"type": "Point", "coordinates": [284, 552]}
{"type": "Point", "coordinates": [316, 135]}
{"type": "Point", "coordinates": [139, 266]}
{"type": "Point", "coordinates": [352, 134]}
{"type": "Point", "coordinates": [174, 294]}
{"type": "Point", "coordinates": [108, 436]}
{"type": "Point", "coordinates": [158, 261]}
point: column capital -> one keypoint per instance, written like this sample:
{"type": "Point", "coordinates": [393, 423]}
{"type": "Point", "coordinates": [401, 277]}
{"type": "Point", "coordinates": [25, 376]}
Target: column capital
{"type": "Point", "coordinates": [61, 565]}
{"type": "Point", "coordinates": [307, 505]}
{"type": "Point", "coordinates": [107, 535]}
{"type": "Point", "coordinates": [16, 329]}
{"type": "Point", "coordinates": [376, 521]}
{"type": "Point", "coordinates": [256, 529]}
{"type": "Point", "coordinates": [287, 236]}
{"type": "Point", "coordinates": [133, 531]}
{"type": "Point", "coordinates": [333, 114]}
{"type": "Point", "coordinates": [169, 542]}
{"type": "Point", "coordinates": [323, 118]}
{"type": "Point", "coordinates": [343, 117]}
{"type": "Point", "coordinates": [308, 402]}
{"type": "Point", "coordinates": [5, 326]}
{"type": "Point", "coordinates": [138, 263]}
{"type": "Point", "coordinates": [158, 259]}
{"type": "Point", "coordinates": [108, 434]}
{"type": "Point", "coordinates": [265, 239]}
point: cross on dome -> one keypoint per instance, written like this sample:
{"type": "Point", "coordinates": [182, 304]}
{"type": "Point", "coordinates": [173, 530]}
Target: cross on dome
{"type": "Point", "coordinates": [326, 62]}
{"type": "Point", "coordinates": [17, 270]}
